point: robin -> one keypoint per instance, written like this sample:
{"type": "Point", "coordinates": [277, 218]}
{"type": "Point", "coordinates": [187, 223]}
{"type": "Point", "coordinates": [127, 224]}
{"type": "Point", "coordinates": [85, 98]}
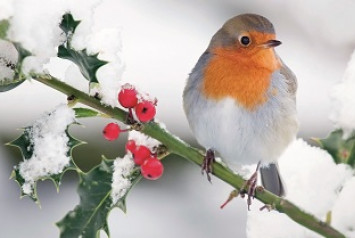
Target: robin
{"type": "Point", "coordinates": [240, 100]}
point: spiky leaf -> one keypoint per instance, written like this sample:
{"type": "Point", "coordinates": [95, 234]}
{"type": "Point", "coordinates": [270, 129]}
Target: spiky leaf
{"type": "Point", "coordinates": [87, 63]}
{"type": "Point", "coordinates": [26, 146]}
{"type": "Point", "coordinates": [68, 24]}
{"type": "Point", "coordinates": [341, 149]}
{"type": "Point", "coordinates": [90, 216]}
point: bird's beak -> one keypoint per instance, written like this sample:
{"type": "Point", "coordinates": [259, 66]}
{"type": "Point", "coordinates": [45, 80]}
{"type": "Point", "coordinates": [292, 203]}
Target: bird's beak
{"type": "Point", "coordinates": [270, 44]}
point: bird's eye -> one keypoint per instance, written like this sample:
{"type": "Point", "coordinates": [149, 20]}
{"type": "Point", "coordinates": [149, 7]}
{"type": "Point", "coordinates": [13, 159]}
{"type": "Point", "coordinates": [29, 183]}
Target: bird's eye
{"type": "Point", "coordinates": [245, 41]}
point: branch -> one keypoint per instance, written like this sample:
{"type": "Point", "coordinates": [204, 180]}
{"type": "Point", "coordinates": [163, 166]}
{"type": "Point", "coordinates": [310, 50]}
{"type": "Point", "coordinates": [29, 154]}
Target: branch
{"type": "Point", "coordinates": [179, 147]}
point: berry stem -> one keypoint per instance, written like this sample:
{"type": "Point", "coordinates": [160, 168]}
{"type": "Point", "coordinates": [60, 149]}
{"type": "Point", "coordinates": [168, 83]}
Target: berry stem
{"type": "Point", "coordinates": [130, 119]}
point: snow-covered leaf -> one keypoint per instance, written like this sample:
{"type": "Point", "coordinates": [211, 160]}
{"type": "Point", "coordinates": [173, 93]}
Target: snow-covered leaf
{"type": "Point", "coordinates": [342, 150]}
{"type": "Point", "coordinates": [26, 145]}
{"type": "Point", "coordinates": [88, 64]}
{"type": "Point", "coordinates": [85, 112]}
{"type": "Point", "coordinates": [90, 216]}
{"type": "Point", "coordinates": [12, 60]}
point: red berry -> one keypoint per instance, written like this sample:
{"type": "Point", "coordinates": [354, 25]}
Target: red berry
{"type": "Point", "coordinates": [152, 169]}
{"type": "Point", "coordinates": [140, 154]}
{"type": "Point", "coordinates": [128, 97]}
{"type": "Point", "coordinates": [145, 111]}
{"type": "Point", "coordinates": [130, 146]}
{"type": "Point", "coordinates": [111, 131]}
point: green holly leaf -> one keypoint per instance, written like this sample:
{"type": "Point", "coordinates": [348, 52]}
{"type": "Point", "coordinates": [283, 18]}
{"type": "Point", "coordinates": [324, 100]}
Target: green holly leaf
{"type": "Point", "coordinates": [85, 112]}
{"type": "Point", "coordinates": [4, 26]}
{"type": "Point", "coordinates": [87, 63]}
{"type": "Point", "coordinates": [68, 24]}
{"type": "Point", "coordinates": [90, 216]}
{"type": "Point", "coordinates": [26, 146]}
{"type": "Point", "coordinates": [342, 150]}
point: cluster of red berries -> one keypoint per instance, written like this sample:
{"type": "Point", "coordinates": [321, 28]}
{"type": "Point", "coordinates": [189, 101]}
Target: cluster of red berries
{"type": "Point", "coordinates": [128, 98]}
{"type": "Point", "coordinates": [151, 167]}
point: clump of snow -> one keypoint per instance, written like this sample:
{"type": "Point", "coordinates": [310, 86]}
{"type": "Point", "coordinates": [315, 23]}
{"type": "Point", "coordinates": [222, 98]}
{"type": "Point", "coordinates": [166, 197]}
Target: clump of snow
{"type": "Point", "coordinates": [74, 78]}
{"type": "Point", "coordinates": [41, 35]}
{"type": "Point", "coordinates": [107, 43]}
{"type": "Point", "coordinates": [8, 60]}
{"type": "Point", "coordinates": [123, 168]}
{"type": "Point", "coordinates": [343, 212]}
{"type": "Point", "coordinates": [33, 64]}
{"type": "Point", "coordinates": [50, 147]}
{"type": "Point", "coordinates": [142, 139]}
{"type": "Point", "coordinates": [313, 182]}
{"type": "Point", "coordinates": [343, 94]}
{"type": "Point", "coordinates": [143, 96]}
{"type": "Point", "coordinates": [38, 29]}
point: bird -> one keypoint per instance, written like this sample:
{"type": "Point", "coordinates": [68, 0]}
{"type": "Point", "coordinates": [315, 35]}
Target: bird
{"type": "Point", "coordinates": [240, 101]}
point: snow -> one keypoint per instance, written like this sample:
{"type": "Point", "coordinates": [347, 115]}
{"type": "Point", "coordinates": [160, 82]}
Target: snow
{"type": "Point", "coordinates": [142, 139]}
{"type": "Point", "coordinates": [43, 41]}
{"type": "Point", "coordinates": [313, 182]}
{"type": "Point", "coordinates": [107, 43]}
{"type": "Point", "coordinates": [121, 183]}
{"type": "Point", "coordinates": [41, 34]}
{"type": "Point", "coordinates": [50, 149]}
{"type": "Point", "coordinates": [344, 100]}
{"type": "Point", "coordinates": [343, 212]}
{"type": "Point", "coordinates": [8, 55]}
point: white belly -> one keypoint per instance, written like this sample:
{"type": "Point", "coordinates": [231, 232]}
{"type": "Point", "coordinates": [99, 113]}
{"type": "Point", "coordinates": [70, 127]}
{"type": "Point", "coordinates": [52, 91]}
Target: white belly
{"type": "Point", "coordinates": [240, 136]}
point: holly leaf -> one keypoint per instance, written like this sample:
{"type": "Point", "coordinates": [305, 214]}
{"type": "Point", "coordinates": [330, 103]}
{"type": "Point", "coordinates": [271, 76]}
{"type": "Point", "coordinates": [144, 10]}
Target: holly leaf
{"type": "Point", "coordinates": [87, 63]}
{"type": "Point", "coordinates": [26, 146]}
{"type": "Point", "coordinates": [90, 216]}
{"type": "Point", "coordinates": [342, 150]}
{"type": "Point", "coordinates": [85, 112]}
{"type": "Point", "coordinates": [68, 24]}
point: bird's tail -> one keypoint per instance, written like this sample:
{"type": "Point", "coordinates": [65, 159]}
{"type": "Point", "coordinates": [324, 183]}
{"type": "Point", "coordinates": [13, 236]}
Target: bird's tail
{"type": "Point", "coordinates": [271, 179]}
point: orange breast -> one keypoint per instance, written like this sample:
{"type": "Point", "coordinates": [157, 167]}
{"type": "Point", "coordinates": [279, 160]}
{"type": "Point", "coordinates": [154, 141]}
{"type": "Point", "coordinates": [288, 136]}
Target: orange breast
{"type": "Point", "coordinates": [244, 76]}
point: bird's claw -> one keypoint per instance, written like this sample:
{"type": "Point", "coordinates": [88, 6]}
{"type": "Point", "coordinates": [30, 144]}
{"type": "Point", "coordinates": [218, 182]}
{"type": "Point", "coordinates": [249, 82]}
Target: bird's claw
{"type": "Point", "coordinates": [207, 164]}
{"type": "Point", "coordinates": [251, 185]}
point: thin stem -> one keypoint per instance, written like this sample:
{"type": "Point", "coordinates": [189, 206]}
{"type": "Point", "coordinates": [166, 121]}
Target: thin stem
{"type": "Point", "coordinates": [181, 148]}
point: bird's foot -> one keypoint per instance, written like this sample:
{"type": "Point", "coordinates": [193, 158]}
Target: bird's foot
{"type": "Point", "coordinates": [207, 163]}
{"type": "Point", "coordinates": [250, 184]}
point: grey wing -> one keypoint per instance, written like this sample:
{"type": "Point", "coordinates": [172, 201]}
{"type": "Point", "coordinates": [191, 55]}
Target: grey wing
{"type": "Point", "coordinates": [290, 79]}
